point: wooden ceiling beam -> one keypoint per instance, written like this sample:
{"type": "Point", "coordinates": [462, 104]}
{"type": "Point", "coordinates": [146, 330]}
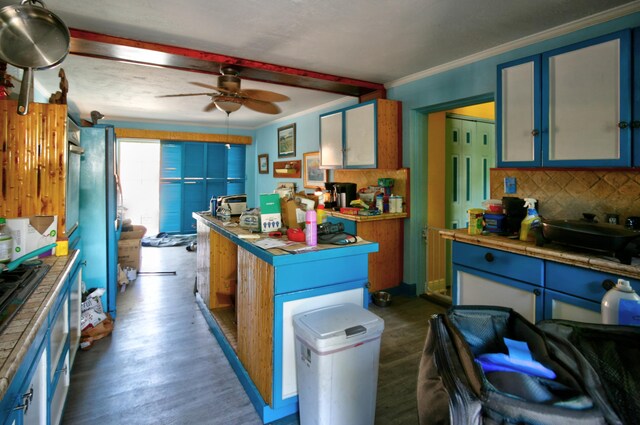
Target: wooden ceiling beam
{"type": "Point", "coordinates": [86, 43]}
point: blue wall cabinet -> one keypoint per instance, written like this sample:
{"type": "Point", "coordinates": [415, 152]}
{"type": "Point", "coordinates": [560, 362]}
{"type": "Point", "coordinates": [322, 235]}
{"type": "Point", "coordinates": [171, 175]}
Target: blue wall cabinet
{"type": "Point", "coordinates": [367, 135]}
{"type": "Point", "coordinates": [192, 173]}
{"type": "Point", "coordinates": [170, 160]}
{"type": "Point", "coordinates": [582, 96]}
{"type": "Point", "coordinates": [485, 276]}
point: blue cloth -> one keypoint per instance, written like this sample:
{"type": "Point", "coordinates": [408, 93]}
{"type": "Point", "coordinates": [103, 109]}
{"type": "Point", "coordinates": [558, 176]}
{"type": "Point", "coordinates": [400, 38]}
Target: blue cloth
{"type": "Point", "coordinates": [518, 360]}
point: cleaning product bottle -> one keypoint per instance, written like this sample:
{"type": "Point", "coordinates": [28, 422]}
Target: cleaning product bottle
{"type": "Point", "coordinates": [6, 242]}
{"type": "Point", "coordinates": [320, 213]}
{"type": "Point", "coordinates": [311, 228]}
{"type": "Point", "coordinates": [620, 305]}
{"type": "Point", "coordinates": [531, 221]}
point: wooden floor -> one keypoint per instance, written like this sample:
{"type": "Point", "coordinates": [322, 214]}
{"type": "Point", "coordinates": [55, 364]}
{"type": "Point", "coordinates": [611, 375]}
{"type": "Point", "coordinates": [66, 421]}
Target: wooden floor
{"type": "Point", "coordinates": [162, 365]}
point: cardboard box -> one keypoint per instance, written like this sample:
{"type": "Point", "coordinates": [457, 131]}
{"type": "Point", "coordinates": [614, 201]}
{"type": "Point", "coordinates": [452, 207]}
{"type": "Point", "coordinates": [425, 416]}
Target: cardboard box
{"type": "Point", "coordinates": [270, 217]}
{"type": "Point", "coordinates": [138, 232]}
{"type": "Point", "coordinates": [129, 253]}
{"type": "Point", "coordinates": [31, 233]}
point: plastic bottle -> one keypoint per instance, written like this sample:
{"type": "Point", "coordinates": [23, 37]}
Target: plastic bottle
{"type": "Point", "coordinates": [620, 305]}
{"type": "Point", "coordinates": [380, 203]}
{"type": "Point", "coordinates": [213, 205]}
{"type": "Point", "coordinates": [6, 242]}
{"type": "Point", "coordinates": [320, 213]}
{"type": "Point", "coordinates": [311, 228]}
{"type": "Point", "coordinates": [531, 221]}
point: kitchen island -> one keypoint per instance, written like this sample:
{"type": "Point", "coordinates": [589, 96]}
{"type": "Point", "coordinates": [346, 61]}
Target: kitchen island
{"type": "Point", "coordinates": [249, 295]}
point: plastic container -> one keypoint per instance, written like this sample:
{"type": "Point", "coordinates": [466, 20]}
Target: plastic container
{"type": "Point", "coordinates": [380, 203]}
{"type": "Point", "coordinates": [320, 214]}
{"type": "Point", "coordinates": [311, 228]}
{"type": "Point", "coordinates": [6, 242]}
{"type": "Point", "coordinates": [475, 221]}
{"type": "Point", "coordinates": [337, 353]}
{"type": "Point", "coordinates": [213, 205]}
{"type": "Point", "coordinates": [494, 223]}
{"type": "Point", "coordinates": [621, 305]}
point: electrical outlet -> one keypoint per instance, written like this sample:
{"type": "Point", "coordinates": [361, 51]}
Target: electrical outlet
{"type": "Point", "coordinates": [510, 186]}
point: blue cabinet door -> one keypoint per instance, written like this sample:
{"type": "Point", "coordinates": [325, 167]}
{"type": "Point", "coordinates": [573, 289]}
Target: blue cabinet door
{"type": "Point", "coordinates": [170, 206]}
{"type": "Point", "coordinates": [194, 160]}
{"type": "Point", "coordinates": [636, 98]}
{"type": "Point", "coordinates": [170, 160]}
{"type": "Point", "coordinates": [194, 200]}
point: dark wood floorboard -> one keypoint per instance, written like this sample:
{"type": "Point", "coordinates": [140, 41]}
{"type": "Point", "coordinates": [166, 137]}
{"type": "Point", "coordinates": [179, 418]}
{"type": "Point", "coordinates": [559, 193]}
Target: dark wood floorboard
{"type": "Point", "coordinates": [162, 365]}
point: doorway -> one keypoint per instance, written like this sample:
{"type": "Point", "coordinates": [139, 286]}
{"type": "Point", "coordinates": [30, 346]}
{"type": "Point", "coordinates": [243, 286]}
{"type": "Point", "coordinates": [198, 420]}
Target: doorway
{"type": "Point", "coordinates": [461, 150]}
{"type": "Point", "coordinates": [140, 174]}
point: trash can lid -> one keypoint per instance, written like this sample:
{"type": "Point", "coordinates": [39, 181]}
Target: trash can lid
{"type": "Point", "coordinates": [337, 325]}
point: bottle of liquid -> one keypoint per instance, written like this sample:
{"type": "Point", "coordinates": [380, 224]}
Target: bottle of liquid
{"type": "Point", "coordinates": [213, 205]}
{"type": "Point", "coordinates": [620, 305]}
{"type": "Point", "coordinates": [531, 221]}
{"type": "Point", "coordinates": [320, 213]}
{"type": "Point", "coordinates": [311, 228]}
{"type": "Point", "coordinates": [380, 203]}
{"type": "Point", "coordinates": [6, 242]}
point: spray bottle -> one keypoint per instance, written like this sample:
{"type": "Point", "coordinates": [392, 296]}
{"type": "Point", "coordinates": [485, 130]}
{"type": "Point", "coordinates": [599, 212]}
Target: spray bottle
{"type": "Point", "coordinates": [621, 305]}
{"type": "Point", "coordinates": [531, 221]}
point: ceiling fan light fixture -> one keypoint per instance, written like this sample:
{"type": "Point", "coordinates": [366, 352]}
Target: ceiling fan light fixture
{"type": "Point", "coordinates": [228, 104]}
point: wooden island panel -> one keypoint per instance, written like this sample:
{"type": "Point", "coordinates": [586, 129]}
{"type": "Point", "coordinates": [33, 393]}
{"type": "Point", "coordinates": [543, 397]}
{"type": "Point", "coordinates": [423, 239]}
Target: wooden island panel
{"type": "Point", "coordinates": [224, 271]}
{"type": "Point", "coordinates": [202, 262]}
{"type": "Point", "coordinates": [386, 265]}
{"type": "Point", "coordinates": [255, 320]}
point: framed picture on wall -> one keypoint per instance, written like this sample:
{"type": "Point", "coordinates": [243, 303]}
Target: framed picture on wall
{"type": "Point", "coordinates": [287, 141]}
{"type": "Point", "coordinates": [263, 163]}
{"type": "Point", "coordinates": [313, 175]}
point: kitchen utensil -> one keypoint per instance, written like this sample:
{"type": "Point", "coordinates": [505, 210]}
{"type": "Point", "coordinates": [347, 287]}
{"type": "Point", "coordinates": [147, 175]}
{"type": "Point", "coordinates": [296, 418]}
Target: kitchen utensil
{"type": "Point", "coordinates": [12, 265]}
{"type": "Point", "coordinates": [31, 37]}
{"type": "Point", "coordinates": [599, 236]}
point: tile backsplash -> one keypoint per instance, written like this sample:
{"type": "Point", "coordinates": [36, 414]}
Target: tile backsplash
{"type": "Point", "coordinates": [566, 194]}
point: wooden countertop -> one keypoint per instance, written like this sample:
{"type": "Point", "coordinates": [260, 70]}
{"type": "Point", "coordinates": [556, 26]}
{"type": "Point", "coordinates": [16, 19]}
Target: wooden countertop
{"type": "Point", "coordinates": [17, 337]}
{"type": "Point", "coordinates": [363, 218]}
{"type": "Point", "coordinates": [554, 252]}
{"type": "Point", "coordinates": [283, 255]}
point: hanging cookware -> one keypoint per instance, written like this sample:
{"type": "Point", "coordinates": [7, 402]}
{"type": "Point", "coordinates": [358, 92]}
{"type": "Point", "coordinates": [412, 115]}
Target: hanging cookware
{"type": "Point", "coordinates": [31, 37]}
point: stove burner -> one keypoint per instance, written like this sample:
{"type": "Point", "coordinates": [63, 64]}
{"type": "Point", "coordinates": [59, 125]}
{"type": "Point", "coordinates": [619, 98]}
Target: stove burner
{"type": "Point", "coordinates": [15, 288]}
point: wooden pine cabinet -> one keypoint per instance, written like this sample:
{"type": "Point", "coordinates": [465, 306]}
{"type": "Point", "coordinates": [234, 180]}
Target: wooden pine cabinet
{"type": "Point", "coordinates": [33, 161]}
{"type": "Point", "coordinates": [569, 107]}
{"type": "Point", "coordinates": [367, 135]}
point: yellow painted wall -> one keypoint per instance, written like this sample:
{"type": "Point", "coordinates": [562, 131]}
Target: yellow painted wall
{"type": "Point", "coordinates": [436, 169]}
{"type": "Point", "coordinates": [482, 110]}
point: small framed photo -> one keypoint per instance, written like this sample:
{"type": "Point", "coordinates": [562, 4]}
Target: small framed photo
{"type": "Point", "coordinates": [263, 163]}
{"type": "Point", "coordinates": [313, 175]}
{"type": "Point", "coordinates": [287, 141]}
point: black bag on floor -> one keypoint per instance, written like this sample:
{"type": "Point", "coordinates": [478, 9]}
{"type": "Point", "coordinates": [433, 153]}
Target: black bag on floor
{"type": "Point", "coordinates": [595, 368]}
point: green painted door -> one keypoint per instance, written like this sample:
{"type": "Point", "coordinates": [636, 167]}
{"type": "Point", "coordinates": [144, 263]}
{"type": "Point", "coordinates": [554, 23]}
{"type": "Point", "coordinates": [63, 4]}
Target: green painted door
{"type": "Point", "coordinates": [470, 153]}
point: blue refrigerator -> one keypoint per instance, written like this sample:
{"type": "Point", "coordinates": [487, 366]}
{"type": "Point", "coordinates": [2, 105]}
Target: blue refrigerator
{"type": "Point", "coordinates": [100, 223]}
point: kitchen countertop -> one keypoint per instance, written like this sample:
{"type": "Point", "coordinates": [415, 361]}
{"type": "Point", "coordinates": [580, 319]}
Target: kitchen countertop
{"type": "Point", "coordinates": [16, 339]}
{"type": "Point", "coordinates": [361, 218]}
{"type": "Point", "coordinates": [554, 252]}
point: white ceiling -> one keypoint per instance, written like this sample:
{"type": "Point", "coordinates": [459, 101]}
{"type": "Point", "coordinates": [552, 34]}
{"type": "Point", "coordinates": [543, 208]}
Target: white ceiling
{"type": "Point", "coordinates": [372, 40]}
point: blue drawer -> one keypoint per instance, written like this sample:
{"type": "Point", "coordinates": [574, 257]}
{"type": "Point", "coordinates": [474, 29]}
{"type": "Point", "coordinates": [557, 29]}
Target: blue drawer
{"type": "Point", "coordinates": [584, 283]}
{"type": "Point", "coordinates": [495, 261]}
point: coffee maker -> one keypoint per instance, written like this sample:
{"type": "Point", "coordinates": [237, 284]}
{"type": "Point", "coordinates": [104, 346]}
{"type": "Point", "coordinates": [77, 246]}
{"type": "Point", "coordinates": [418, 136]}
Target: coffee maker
{"type": "Point", "coordinates": [340, 194]}
{"type": "Point", "coordinates": [515, 212]}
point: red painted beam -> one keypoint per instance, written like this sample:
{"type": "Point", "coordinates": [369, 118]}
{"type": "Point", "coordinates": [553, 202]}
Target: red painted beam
{"type": "Point", "coordinates": [86, 43]}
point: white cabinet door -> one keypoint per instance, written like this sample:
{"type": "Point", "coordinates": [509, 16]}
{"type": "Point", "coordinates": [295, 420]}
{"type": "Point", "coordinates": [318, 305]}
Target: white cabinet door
{"type": "Point", "coordinates": [59, 332]}
{"type": "Point", "coordinates": [584, 103]}
{"type": "Point", "coordinates": [36, 412]}
{"type": "Point", "coordinates": [477, 290]}
{"type": "Point", "coordinates": [519, 119]}
{"type": "Point", "coordinates": [331, 140]}
{"type": "Point", "coordinates": [75, 298]}
{"type": "Point", "coordinates": [60, 392]}
{"type": "Point", "coordinates": [360, 137]}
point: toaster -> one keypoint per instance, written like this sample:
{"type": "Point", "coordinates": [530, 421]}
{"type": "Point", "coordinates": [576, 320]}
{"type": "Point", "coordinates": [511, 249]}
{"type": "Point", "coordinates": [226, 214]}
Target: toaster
{"type": "Point", "coordinates": [237, 203]}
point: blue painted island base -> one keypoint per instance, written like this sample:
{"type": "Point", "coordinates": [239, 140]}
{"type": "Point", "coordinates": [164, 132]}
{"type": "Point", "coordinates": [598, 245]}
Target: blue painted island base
{"type": "Point", "coordinates": [267, 414]}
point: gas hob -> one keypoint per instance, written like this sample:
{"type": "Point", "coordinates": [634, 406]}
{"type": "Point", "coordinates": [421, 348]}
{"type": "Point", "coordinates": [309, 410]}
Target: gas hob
{"type": "Point", "coordinates": [15, 288]}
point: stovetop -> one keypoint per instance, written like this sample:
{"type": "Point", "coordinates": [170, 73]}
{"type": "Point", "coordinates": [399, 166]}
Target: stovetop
{"type": "Point", "coordinates": [15, 288]}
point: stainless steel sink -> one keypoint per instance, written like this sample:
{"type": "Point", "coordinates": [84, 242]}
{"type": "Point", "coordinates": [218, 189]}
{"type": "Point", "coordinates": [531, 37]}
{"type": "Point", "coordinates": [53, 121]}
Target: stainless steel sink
{"type": "Point", "coordinates": [603, 237]}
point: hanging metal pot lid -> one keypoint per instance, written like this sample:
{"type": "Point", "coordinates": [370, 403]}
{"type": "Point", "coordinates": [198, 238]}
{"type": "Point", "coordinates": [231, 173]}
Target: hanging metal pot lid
{"type": "Point", "coordinates": [31, 38]}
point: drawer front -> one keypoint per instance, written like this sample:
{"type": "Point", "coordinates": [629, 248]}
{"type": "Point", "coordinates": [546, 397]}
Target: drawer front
{"type": "Point", "coordinates": [59, 334]}
{"type": "Point", "coordinates": [495, 261]}
{"type": "Point", "coordinates": [580, 282]}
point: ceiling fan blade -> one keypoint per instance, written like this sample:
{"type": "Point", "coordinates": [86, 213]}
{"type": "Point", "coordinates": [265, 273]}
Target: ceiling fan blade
{"type": "Point", "coordinates": [208, 86]}
{"type": "Point", "coordinates": [264, 95]}
{"type": "Point", "coordinates": [188, 94]}
{"type": "Point", "coordinates": [260, 106]}
{"type": "Point", "coordinates": [210, 107]}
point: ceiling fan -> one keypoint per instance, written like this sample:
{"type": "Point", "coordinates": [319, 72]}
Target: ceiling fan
{"type": "Point", "coordinates": [228, 97]}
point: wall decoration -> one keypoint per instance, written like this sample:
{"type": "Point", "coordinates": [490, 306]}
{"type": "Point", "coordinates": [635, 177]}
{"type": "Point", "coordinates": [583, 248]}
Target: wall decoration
{"type": "Point", "coordinates": [291, 169]}
{"type": "Point", "coordinates": [313, 175]}
{"type": "Point", "coordinates": [287, 141]}
{"type": "Point", "coordinates": [263, 163]}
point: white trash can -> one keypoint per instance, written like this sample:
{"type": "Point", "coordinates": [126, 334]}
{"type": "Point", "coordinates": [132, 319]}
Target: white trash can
{"type": "Point", "coordinates": [337, 351]}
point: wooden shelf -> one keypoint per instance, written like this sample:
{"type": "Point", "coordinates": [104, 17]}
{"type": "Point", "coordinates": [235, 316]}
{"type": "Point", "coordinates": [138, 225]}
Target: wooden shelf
{"type": "Point", "coordinates": [226, 318]}
{"type": "Point", "coordinates": [289, 169]}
